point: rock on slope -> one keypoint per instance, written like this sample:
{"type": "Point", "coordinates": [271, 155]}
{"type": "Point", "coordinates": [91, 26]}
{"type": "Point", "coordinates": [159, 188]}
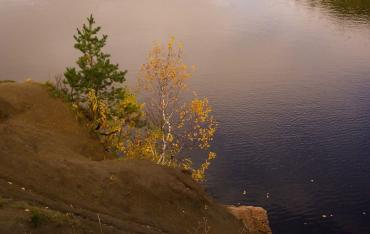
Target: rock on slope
{"type": "Point", "coordinates": [53, 179]}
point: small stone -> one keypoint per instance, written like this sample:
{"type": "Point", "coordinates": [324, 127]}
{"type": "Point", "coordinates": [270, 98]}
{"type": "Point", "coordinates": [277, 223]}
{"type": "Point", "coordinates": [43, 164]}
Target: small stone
{"type": "Point", "coordinates": [363, 213]}
{"type": "Point", "coordinates": [27, 210]}
{"type": "Point", "coordinates": [10, 183]}
{"type": "Point", "coordinates": [267, 195]}
{"type": "Point", "coordinates": [331, 215]}
{"type": "Point", "coordinates": [244, 192]}
{"type": "Point", "coordinates": [324, 216]}
{"type": "Point", "coordinates": [24, 189]}
{"type": "Point", "coordinates": [312, 180]}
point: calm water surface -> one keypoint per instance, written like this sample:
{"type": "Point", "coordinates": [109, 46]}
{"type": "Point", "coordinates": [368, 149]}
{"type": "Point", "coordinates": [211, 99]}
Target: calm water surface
{"type": "Point", "coordinates": [289, 81]}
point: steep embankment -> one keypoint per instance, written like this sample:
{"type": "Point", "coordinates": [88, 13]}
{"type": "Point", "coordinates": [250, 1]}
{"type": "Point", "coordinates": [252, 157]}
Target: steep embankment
{"type": "Point", "coordinates": [53, 179]}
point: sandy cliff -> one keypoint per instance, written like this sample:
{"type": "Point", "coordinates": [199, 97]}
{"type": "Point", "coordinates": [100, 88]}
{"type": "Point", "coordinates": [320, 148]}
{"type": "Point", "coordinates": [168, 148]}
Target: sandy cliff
{"type": "Point", "coordinates": [53, 179]}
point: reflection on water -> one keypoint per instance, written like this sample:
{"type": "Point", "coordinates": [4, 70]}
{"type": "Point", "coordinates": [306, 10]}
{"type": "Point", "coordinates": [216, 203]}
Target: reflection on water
{"type": "Point", "coordinates": [289, 81]}
{"type": "Point", "coordinates": [357, 10]}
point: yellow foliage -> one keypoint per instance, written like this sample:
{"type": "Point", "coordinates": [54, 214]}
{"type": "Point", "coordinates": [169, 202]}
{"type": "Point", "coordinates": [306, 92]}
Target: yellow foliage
{"type": "Point", "coordinates": [199, 174]}
{"type": "Point", "coordinates": [182, 126]}
{"type": "Point", "coordinates": [173, 129]}
{"type": "Point", "coordinates": [114, 125]}
{"type": "Point", "coordinates": [98, 109]}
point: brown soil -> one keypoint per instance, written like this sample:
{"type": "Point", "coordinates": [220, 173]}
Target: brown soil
{"type": "Point", "coordinates": [53, 178]}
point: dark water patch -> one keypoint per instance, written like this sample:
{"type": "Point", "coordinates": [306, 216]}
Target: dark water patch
{"type": "Point", "coordinates": [354, 10]}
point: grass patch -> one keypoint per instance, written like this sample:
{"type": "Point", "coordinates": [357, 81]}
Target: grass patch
{"type": "Point", "coordinates": [58, 88]}
{"type": "Point", "coordinates": [37, 218]}
{"type": "Point", "coordinates": [3, 202]}
{"type": "Point", "coordinates": [6, 81]}
{"type": "Point", "coordinates": [41, 215]}
{"type": "Point", "coordinates": [56, 92]}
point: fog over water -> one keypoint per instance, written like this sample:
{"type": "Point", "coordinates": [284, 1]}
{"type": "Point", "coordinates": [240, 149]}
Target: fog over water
{"type": "Point", "coordinates": [289, 81]}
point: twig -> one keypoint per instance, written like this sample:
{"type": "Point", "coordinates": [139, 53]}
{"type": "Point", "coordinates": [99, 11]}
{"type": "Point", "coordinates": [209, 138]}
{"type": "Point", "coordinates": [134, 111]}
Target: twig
{"type": "Point", "coordinates": [101, 229]}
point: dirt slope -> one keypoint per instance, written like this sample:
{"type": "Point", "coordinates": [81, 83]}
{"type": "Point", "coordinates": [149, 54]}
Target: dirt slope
{"type": "Point", "coordinates": [53, 179]}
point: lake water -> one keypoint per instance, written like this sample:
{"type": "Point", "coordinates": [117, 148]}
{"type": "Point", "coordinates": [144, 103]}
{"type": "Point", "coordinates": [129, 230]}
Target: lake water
{"type": "Point", "coordinates": [289, 81]}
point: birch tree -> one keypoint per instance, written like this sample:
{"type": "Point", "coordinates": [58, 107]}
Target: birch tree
{"type": "Point", "coordinates": [183, 126]}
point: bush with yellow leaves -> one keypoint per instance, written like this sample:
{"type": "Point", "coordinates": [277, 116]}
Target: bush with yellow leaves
{"type": "Point", "coordinates": [114, 124]}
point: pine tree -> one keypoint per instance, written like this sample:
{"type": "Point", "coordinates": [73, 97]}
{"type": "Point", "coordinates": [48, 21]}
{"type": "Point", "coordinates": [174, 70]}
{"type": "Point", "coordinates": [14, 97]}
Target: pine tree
{"type": "Point", "coordinates": [95, 72]}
